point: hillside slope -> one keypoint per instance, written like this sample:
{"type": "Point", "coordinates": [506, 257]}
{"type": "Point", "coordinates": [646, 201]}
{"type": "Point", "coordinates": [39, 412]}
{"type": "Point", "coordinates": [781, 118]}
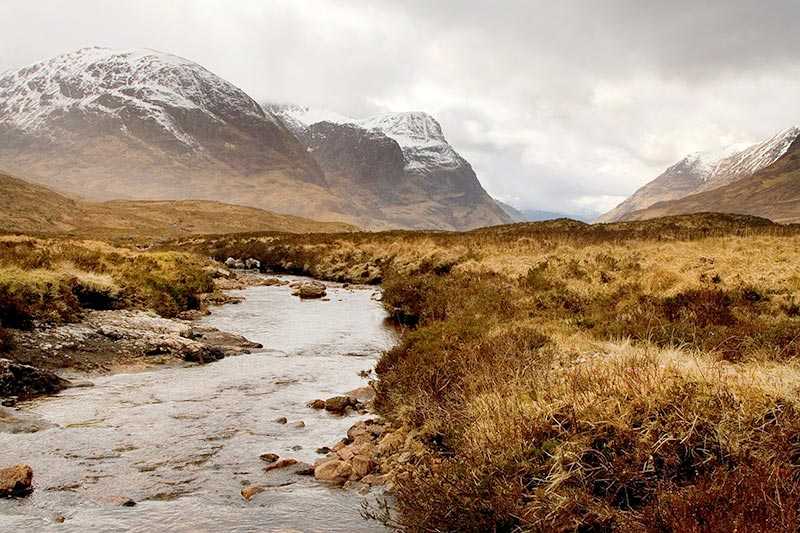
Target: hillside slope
{"type": "Point", "coordinates": [139, 124]}
{"type": "Point", "coordinates": [705, 171]}
{"type": "Point", "coordinates": [29, 208]}
{"type": "Point", "coordinates": [773, 193]}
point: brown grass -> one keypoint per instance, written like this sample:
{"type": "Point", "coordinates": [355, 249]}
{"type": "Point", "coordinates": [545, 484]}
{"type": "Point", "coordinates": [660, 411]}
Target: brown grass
{"type": "Point", "coordinates": [564, 377]}
{"type": "Point", "coordinates": [52, 280]}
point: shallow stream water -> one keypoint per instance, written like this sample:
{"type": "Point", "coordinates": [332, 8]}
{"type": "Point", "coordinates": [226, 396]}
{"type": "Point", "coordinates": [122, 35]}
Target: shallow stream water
{"type": "Point", "coordinates": [182, 441]}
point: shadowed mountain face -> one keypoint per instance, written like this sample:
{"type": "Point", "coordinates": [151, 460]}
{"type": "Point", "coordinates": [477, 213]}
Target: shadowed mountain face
{"type": "Point", "coordinates": [772, 192]}
{"type": "Point", "coordinates": [398, 167]}
{"type": "Point", "coordinates": [705, 171]}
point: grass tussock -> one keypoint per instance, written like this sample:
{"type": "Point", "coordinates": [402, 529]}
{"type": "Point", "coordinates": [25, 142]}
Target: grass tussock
{"type": "Point", "coordinates": [52, 280]}
{"type": "Point", "coordinates": [563, 377]}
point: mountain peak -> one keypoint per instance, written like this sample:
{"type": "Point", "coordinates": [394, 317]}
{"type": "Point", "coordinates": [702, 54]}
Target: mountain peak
{"type": "Point", "coordinates": [105, 81]}
{"type": "Point", "coordinates": [705, 171]}
{"type": "Point", "coordinates": [408, 128]}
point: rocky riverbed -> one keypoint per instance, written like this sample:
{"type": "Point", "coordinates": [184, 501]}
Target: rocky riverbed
{"type": "Point", "coordinates": [181, 446]}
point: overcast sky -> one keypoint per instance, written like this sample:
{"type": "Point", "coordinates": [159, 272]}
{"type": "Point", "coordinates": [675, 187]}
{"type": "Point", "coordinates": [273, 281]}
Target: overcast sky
{"type": "Point", "coordinates": [564, 106]}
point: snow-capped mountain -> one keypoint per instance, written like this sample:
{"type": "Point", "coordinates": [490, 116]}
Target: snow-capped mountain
{"type": "Point", "coordinates": [418, 134]}
{"type": "Point", "coordinates": [122, 84]}
{"type": "Point", "coordinates": [402, 158]}
{"type": "Point", "coordinates": [771, 192]}
{"type": "Point", "coordinates": [140, 124]}
{"type": "Point", "coordinates": [106, 123]}
{"type": "Point", "coordinates": [705, 171]}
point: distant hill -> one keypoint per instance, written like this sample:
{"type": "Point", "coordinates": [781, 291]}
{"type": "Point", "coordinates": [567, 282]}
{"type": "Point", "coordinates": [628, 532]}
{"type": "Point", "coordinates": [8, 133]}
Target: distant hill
{"type": "Point", "coordinates": [535, 215]}
{"type": "Point", "coordinates": [705, 171]}
{"type": "Point", "coordinates": [30, 208]}
{"type": "Point", "coordinates": [772, 192]}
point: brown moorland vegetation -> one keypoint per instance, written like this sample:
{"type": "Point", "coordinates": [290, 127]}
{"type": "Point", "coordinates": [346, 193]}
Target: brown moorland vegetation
{"type": "Point", "coordinates": [566, 377]}
{"type": "Point", "coordinates": [52, 280]}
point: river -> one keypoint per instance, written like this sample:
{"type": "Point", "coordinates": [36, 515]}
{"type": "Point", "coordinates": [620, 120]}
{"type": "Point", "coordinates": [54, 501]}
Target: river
{"type": "Point", "coordinates": [182, 441]}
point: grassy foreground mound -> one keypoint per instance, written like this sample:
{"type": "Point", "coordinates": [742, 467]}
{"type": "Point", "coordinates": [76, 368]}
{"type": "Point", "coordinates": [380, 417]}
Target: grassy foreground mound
{"type": "Point", "coordinates": [51, 280]}
{"type": "Point", "coordinates": [566, 377]}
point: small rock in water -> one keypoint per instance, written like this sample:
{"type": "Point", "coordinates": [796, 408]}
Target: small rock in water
{"type": "Point", "coordinates": [283, 463]}
{"type": "Point", "coordinates": [308, 289]}
{"type": "Point", "coordinates": [281, 420]}
{"type": "Point", "coordinates": [59, 519]}
{"type": "Point", "coordinates": [252, 264]}
{"type": "Point", "coordinates": [120, 501]}
{"type": "Point", "coordinates": [323, 450]}
{"type": "Point", "coordinates": [16, 481]}
{"type": "Point", "coordinates": [269, 457]}
{"type": "Point", "coordinates": [251, 490]}
{"type": "Point", "coordinates": [297, 447]}
{"type": "Point", "coordinates": [298, 424]}
{"type": "Point", "coordinates": [307, 470]}
{"type": "Point", "coordinates": [339, 404]}
{"type": "Point", "coordinates": [317, 404]}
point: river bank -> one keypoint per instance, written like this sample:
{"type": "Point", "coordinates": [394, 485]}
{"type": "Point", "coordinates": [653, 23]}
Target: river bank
{"type": "Point", "coordinates": [183, 442]}
{"type": "Point", "coordinates": [107, 341]}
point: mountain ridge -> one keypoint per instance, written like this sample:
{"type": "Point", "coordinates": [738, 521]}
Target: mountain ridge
{"type": "Point", "coordinates": [133, 124]}
{"type": "Point", "coordinates": [773, 192]}
{"type": "Point", "coordinates": [406, 158]}
{"type": "Point", "coordinates": [704, 171]}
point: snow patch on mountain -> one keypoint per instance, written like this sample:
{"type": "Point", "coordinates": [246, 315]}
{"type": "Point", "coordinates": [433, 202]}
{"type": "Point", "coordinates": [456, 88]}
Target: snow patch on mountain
{"type": "Point", "coordinates": [757, 156]}
{"type": "Point", "coordinates": [419, 135]}
{"type": "Point", "coordinates": [119, 83]}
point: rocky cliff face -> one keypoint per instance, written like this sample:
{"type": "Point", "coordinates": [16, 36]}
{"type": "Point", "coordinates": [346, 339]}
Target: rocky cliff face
{"type": "Point", "coordinates": [705, 171]}
{"type": "Point", "coordinates": [400, 164]}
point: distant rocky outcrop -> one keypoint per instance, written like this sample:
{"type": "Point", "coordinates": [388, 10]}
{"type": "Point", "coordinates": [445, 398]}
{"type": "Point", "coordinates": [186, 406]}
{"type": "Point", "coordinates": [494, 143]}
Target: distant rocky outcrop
{"type": "Point", "coordinates": [397, 169]}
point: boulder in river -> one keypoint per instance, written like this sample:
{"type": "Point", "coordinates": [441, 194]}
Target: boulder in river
{"type": "Point", "coordinates": [234, 263]}
{"type": "Point", "coordinates": [252, 264]}
{"type": "Point", "coordinates": [339, 404]}
{"type": "Point", "coordinates": [330, 471]}
{"type": "Point", "coordinates": [317, 404]}
{"type": "Point", "coordinates": [24, 381]}
{"type": "Point", "coordinates": [308, 289]}
{"type": "Point", "coordinates": [16, 481]}
{"type": "Point", "coordinates": [283, 463]}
